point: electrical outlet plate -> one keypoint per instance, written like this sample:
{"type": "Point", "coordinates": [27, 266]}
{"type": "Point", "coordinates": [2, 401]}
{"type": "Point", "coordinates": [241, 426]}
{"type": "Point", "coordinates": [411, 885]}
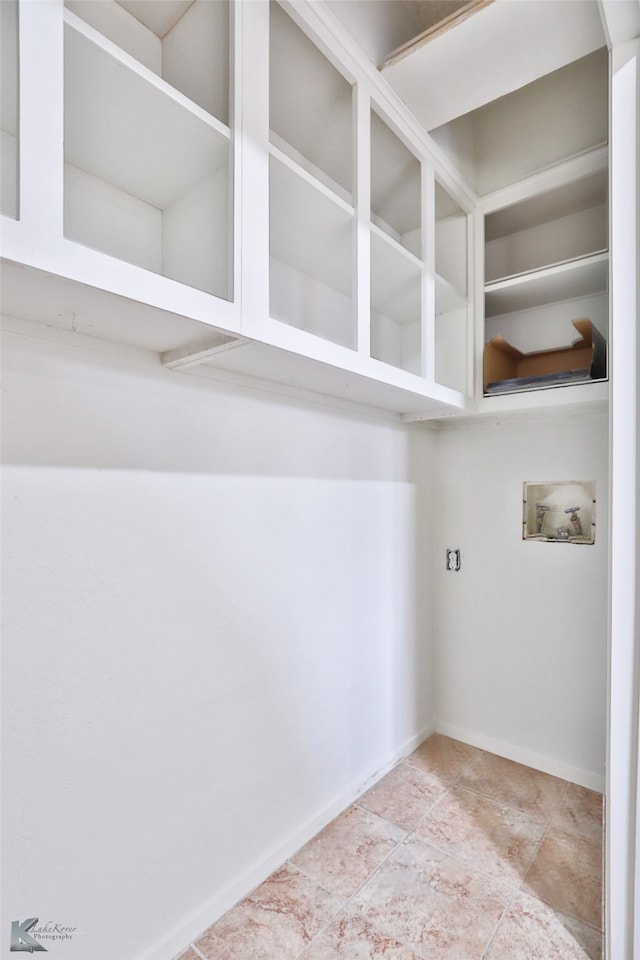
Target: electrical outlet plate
{"type": "Point", "coordinates": [453, 559]}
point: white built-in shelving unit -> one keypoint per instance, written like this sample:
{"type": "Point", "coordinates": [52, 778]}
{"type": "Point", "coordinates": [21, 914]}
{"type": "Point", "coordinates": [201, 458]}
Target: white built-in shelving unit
{"type": "Point", "coordinates": [538, 160]}
{"type": "Point", "coordinates": [262, 201]}
{"type": "Point", "coordinates": [9, 108]}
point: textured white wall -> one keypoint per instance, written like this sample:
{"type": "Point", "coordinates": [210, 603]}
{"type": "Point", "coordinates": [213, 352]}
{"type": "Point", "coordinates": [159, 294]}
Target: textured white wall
{"type": "Point", "coordinates": [522, 628]}
{"type": "Point", "coordinates": [216, 629]}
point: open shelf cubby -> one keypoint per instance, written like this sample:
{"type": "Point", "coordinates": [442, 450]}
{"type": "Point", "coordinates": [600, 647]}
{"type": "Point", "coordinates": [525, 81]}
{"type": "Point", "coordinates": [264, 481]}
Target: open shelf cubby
{"type": "Point", "coordinates": [395, 187]}
{"type": "Point", "coordinates": [562, 281]}
{"type": "Point", "coordinates": [146, 169]}
{"type": "Point", "coordinates": [562, 225]}
{"type": "Point", "coordinates": [396, 304]}
{"type": "Point", "coordinates": [310, 248]}
{"type": "Point", "coordinates": [186, 42]}
{"type": "Point", "coordinates": [9, 108]}
{"type": "Point", "coordinates": [310, 105]}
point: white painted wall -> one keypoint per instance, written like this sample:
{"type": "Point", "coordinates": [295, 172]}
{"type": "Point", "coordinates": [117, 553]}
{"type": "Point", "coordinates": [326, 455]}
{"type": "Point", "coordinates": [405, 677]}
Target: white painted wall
{"type": "Point", "coordinates": [216, 631]}
{"type": "Point", "coordinates": [522, 628]}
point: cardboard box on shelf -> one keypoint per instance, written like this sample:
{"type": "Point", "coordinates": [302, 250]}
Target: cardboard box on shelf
{"type": "Point", "coordinates": [507, 370]}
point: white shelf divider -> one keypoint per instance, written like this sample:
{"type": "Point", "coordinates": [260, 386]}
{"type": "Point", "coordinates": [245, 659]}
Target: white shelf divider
{"type": "Point", "coordinates": [448, 298]}
{"type": "Point", "coordinates": [396, 246]}
{"type": "Point", "coordinates": [396, 278]}
{"type": "Point", "coordinates": [557, 266]}
{"type": "Point", "coordinates": [313, 176]}
{"type": "Point", "coordinates": [138, 68]}
{"type": "Point", "coordinates": [564, 281]}
{"type": "Point", "coordinates": [285, 152]}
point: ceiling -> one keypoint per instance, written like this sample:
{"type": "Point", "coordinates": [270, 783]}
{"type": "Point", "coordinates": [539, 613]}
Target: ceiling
{"type": "Point", "coordinates": [426, 14]}
{"type": "Point", "coordinates": [504, 45]}
{"type": "Point", "coordinates": [158, 15]}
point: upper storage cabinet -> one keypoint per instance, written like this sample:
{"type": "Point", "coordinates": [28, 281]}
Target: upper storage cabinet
{"type": "Point", "coordinates": [310, 187]}
{"type": "Point", "coordinates": [324, 192]}
{"type": "Point", "coordinates": [9, 108]}
{"type": "Point", "coordinates": [396, 250]}
{"type": "Point", "coordinates": [146, 136]}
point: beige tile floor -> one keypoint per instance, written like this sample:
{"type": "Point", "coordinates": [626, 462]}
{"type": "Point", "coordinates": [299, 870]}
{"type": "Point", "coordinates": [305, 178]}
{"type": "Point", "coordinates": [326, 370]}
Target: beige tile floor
{"type": "Point", "coordinates": [455, 855]}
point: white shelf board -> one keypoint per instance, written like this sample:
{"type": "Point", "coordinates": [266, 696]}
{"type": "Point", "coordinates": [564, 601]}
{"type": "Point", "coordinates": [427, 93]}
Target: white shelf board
{"type": "Point", "coordinates": [57, 303]}
{"type": "Point", "coordinates": [534, 405]}
{"type": "Point", "coordinates": [564, 281]}
{"type": "Point", "coordinates": [316, 178]}
{"type": "Point", "coordinates": [394, 242]}
{"type": "Point", "coordinates": [547, 398]}
{"type": "Point", "coordinates": [448, 298]}
{"type": "Point", "coordinates": [311, 229]}
{"type": "Point", "coordinates": [302, 165]}
{"type": "Point", "coordinates": [396, 279]}
{"type": "Point", "coordinates": [372, 384]}
{"type": "Point", "coordinates": [128, 127]}
{"type": "Point", "coordinates": [563, 201]}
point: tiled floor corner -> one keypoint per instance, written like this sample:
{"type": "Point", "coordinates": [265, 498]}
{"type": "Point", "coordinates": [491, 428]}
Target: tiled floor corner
{"type": "Point", "coordinates": [455, 855]}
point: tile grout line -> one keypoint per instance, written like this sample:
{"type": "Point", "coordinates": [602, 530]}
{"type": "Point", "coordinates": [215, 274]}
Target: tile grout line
{"type": "Point", "coordinates": [408, 833]}
{"type": "Point", "coordinates": [195, 950]}
{"type": "Point", "coordinates": [535, 852]}
{"type": "Point", "coordinates": [516, 891]}
{"type": "Point", "coordinates": [355, 892]}
{"type": "Point", "coordinates": [497, 926]}
{"type": "Point", "coordinates": [555, 909]}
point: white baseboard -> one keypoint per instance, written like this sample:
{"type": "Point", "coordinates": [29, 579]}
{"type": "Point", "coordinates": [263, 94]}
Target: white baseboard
{"type": "Point", "coordinates": [585, 778]}
{"type": "Point", "coordinates": [188, 930]}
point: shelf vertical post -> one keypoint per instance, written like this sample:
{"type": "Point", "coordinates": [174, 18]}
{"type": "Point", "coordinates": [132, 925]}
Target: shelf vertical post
{"type": "Point", "coordinates": [41, 118]}
{"type": "Point", "coordinates": [362, 231]}
{"type": "Point", "coordinates": [476, 304]}
{"type": "Point", "coordinates": [235, 92]}
{"type": "Point", "coordinates": [251, 164]}
{"type": "Point", "coordinates": [428, 327]}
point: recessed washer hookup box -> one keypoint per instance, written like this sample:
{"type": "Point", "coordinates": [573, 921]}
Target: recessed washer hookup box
{"type": "Point", "coordinates": [507, 370]}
